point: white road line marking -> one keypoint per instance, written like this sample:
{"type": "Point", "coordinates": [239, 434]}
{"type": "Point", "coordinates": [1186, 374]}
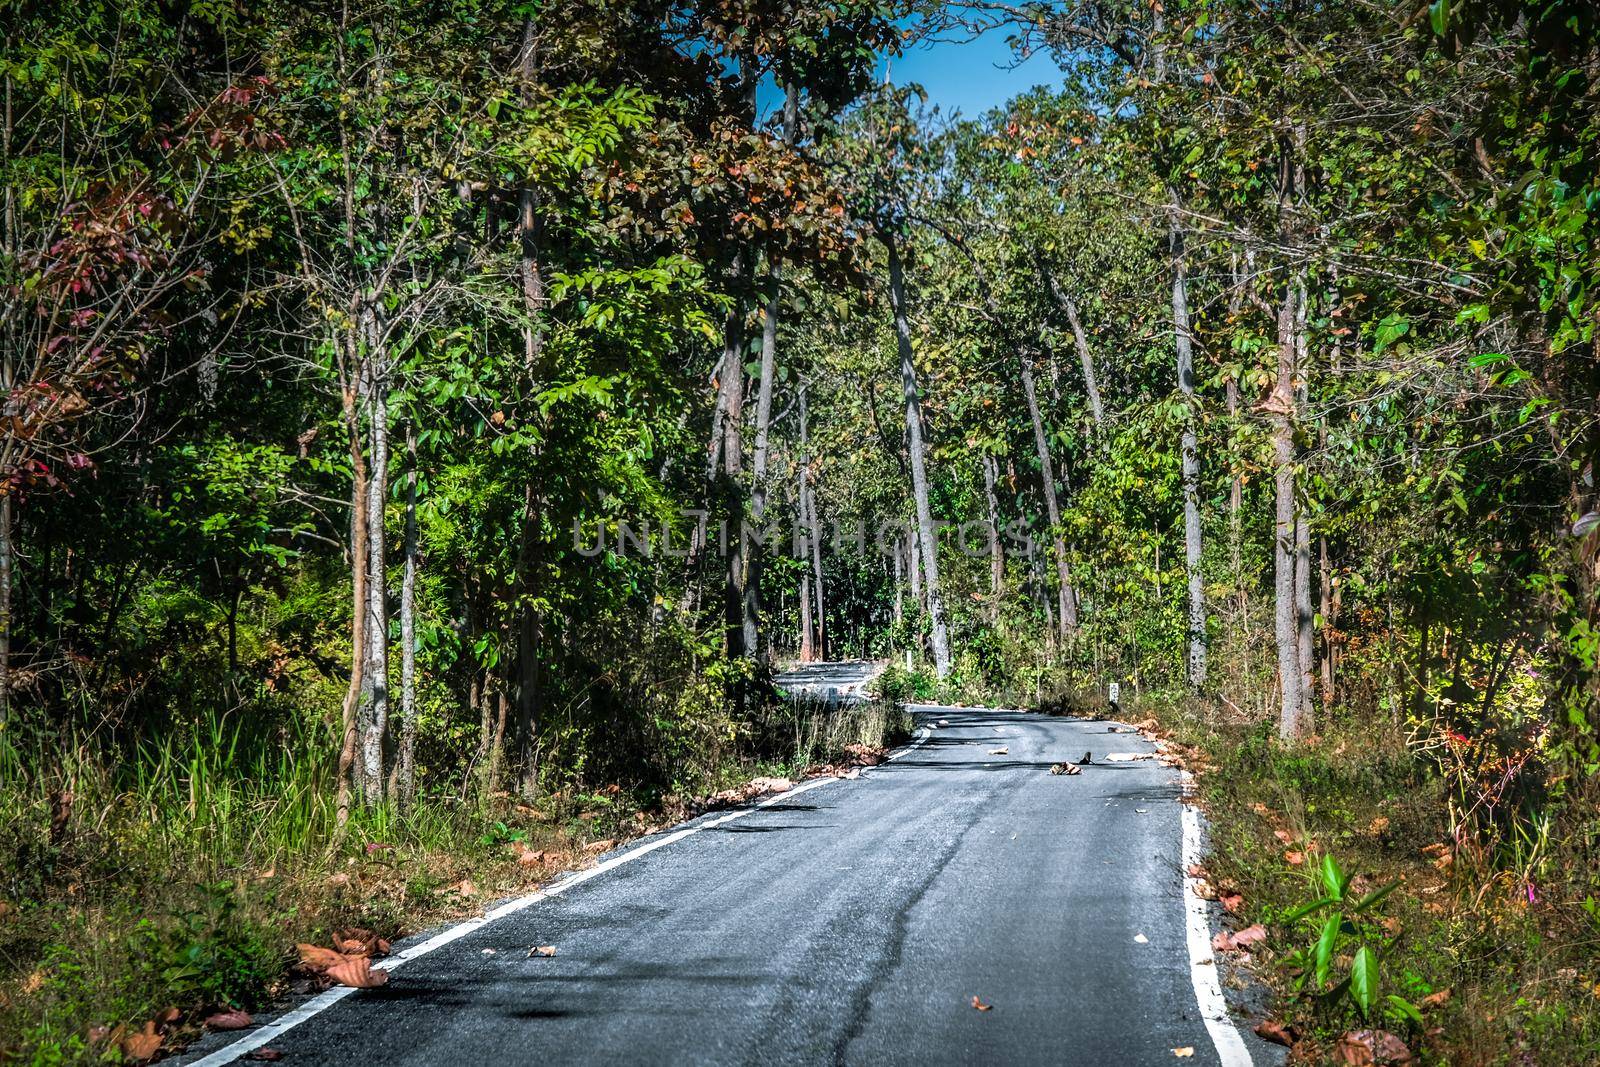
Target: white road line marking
{"type": "Point", "coordinates": [1203, 970]}
{"type": "Point", "coordinates": [327, 999]}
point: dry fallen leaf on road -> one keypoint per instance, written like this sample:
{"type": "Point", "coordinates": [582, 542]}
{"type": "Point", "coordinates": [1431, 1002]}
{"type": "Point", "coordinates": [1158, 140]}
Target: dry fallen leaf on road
{"type": "Point", "coordinates": [1064, 768]}
{"type": "Point", "coordinates": [318, 958]}
{"type": "Point", "coordinates": [999, 752]}
{"type": "Point", "coordinates": [541, 950]}
{"type": "Point", "coordinates": [268, 1055]}
{"type": "Point", "coordinates": [1183, 1053]}
{"type": "Point", "coordinates": [1250, 935]}
{"type": "Point", "coordinates": [1141, 939]}
{"type": "Point", "coordinates": [1127, 757]}
{"type": "Point", "coordinates": [357, 973]}
{"type": "Point", "coordinates": [488, 952]}
{"type": "Point", "coordinates": [229, 1020]}
{"type": "Point", "coordinates": [143, 1045]}
{"type": "Point", "coordinates": [771, 785]}
{"type": "Point", "coordinates": [981, 1006]}
{"type": "Point", "coordinates": [1275, 1032]}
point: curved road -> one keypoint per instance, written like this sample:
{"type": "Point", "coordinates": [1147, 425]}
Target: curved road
{"type": "Point", "coordinates": [851, 921]}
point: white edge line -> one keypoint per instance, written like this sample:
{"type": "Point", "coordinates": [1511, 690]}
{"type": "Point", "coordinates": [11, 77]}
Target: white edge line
{"type": "Point", "coordinates": [1203, 969]}
{"type": "Point", "coordinates": [328, 998]}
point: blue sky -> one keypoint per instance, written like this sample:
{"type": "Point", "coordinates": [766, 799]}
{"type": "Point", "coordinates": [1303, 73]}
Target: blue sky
{"type": "Point", "coordinates": [970, 76]}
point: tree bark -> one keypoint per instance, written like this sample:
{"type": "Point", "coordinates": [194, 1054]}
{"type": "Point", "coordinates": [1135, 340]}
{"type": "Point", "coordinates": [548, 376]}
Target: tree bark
{"type": "Point", "coordinates": [1066, 599]}
{"type": "Point", "coordinates": [1091, 381]}
{"type": "Point", "coordinates": [813, 522]}
{"type": "Point", "coordinates": [758, 488]}
{"type": "Point", "coordinates": [374, 717]}
{"type": "Point", "coordinates": [1304, 617]}
{"type": "Point", "coordinates": [928, 533]}
{"type": "Point", "coordinates": [1190, 449]}
{"type": "Point", "coordinates": [1291, 721]}
{"type": "Point", "coordinates": [405, 785]}
{"type": "Point", "coordinates": [358, 603]}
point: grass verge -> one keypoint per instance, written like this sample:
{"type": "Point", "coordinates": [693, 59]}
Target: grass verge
{"type": "Point", "coordinates": [151, 892]}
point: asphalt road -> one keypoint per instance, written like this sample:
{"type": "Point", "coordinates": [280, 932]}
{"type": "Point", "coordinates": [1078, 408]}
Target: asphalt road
{"type": "Point", "coordinates": [850, 923]}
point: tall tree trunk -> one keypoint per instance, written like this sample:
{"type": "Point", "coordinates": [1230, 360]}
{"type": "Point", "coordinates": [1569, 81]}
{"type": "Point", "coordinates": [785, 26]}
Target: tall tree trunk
{"type": "Point", "coordinates": [405, 761]}
{"type": "Point", "coordinates": [1066, 598]}
{"type": "Point", "coordinates": [358, 600]}
{"type": "Point", "coordinates": [1190, 451]}
{"type": "Point", "coordinates": [1304, 618]}
{"type": "Point", "coordinates": [374, 716]}
{"type": "Point", "coordinates": [7, 553]}
{"type": "Point", "coordinates": [769, 344]}
{"type": "Point", "coordinates": [997, 559]}
{"type": "Point", "coordinates": [1091, 381]}
{"type": "Point", "coordinates": [927, 532]}
{"type": "Point", "coordinates": [528, 217]}
{"type": "Point", "coordinates": [813, 528]}
{"type": "Point", "coordinates": [1280, 404]}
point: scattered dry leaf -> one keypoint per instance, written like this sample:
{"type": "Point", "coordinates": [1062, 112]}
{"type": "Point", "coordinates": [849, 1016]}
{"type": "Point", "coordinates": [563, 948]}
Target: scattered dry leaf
{"type": "Point", "coordinates": [530, 858]}
{"type": "Point", "coordinates": [600, 846]}
{"type": "Point", "coordinates": [269, 1055]}
{"type": "Point", "coordinates": [541, 950]}
{"type": "Point", "coordinates": [1183, 1053]}
{"type": "Point", "coordinates": [168, 1016]}
{"type": "Point", "coordinates": [466, 888]}
{"type": "Point", "coordinates": [1140, 939]}
{"type": "Point", "coordinates": [1064, 768]}
{"type": "Point", "coordinates": [1250, 935]}
{"type": "Point", "coordinates": [229, 1020]}
{"type": "Point", "coordinates": [1378, 825]}
{"type": "Point", "coordinates": [1204, 889]}
{"type": "Point", "coordinates": [1437, 999]}
{"type": "Point", "coordinates": [1127, 757]}
{"type": "Point", "coordinates": [318, 958]}
{"type": "Point", "coordinates": [357, 973]}
{"type": "Point", "coordinates": [1283, 835]}
{"type": "Point", "coordinates": [1361, 1048]}
{"type": "Point", "coordinates": [1197, 871]}
{"type": "Point", "coordinates": [1002, 751]}
{"type": "Point", "coordinates": [981, 1006]}
{"type": "Point", "coordinates": [1275, 1032]}
{"type": "Point", "coordinates": [1231, 902]}
{"type": "Point", "coordinates": [339, 879]}
{"type": "Point", "coordinates": [771, 785]}
{"type": "Point", "coordinates": [1294, 859]}
{"type": "Point", "coordinates": [143, 1045]}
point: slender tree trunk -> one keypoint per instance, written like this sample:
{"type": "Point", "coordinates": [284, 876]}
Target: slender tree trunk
{"type": "Point", "coordinates": [1190, 452]}
{"type": "Point", "coordinates": [813, 527]}
{"type": "Point", "coordinates": [358, 602]}
{"type": "Point", "coordinates": [758, 489]}
{"type": "Point", "coordinates": [7, 553]}
{"type": "Point", "coordinates": [1304, 617]}
{"type": "Point", "coordinates": [899, 586]}
{"type": "Point", "coordinates": [1091, 381]}
{"type": "Point", "coordinates": [997, 559]}
{"type": "Point", "coordinates": [927, 532]}
{"type": "Point", "coordinates": [1291, 722]}
{"type": "Point", "coordinates": [374, 717]}
{"type": "Point", "coordinates": [1066, 599]}
{"type": "Point", "coordinates": [528, 218]}
{"type": "Point", "coordinates": [405, 785]}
